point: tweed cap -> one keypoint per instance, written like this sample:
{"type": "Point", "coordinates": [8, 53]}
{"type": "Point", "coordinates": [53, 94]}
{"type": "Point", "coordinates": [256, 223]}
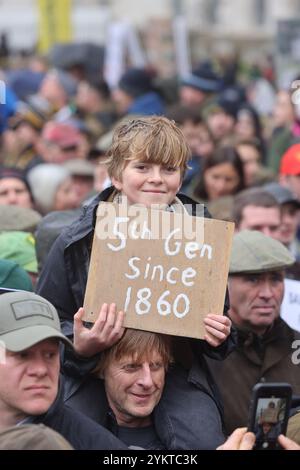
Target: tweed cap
{"type": "Point", "coordinates": [12, 276]}
{"type": "Point", "coordinates": [254, 252]}
{"type": "Point", "coordinates": [32, 437]}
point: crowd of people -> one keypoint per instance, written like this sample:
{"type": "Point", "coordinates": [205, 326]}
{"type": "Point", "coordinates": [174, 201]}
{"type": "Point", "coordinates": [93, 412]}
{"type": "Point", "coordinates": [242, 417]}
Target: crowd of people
{"type": "Point", "coordinates": [68, 144]}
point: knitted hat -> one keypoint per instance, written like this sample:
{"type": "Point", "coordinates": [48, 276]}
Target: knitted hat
{"type": "Point", "coordinates": [18, 218]}
{"type": "Point", "coordinates": [45, 180]}
{"type": "Point", "coordinates": [282, 195]}
{"type": "Point", "coordinates": [254, 252]}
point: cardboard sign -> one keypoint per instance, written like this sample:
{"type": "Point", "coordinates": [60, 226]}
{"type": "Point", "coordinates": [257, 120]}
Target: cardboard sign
{"type": "Point", "coordinates": [165, 270]}
{"type": "Point", "coordinates": [290, 307]}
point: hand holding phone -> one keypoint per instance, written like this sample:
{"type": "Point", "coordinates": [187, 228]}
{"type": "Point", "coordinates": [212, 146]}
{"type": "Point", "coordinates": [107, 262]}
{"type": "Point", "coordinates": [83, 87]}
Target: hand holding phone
{"type": "Point", "coordinates": [269, 413]}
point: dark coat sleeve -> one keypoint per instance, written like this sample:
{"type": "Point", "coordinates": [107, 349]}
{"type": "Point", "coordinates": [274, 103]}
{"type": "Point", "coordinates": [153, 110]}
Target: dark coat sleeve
{"type": "Point", "coordinates": [77, 366]}
{"type": "Point", "coordinates": [54, 285]}
{"type": "Point", "coordinates": [82, 432]}
{"type": "Point", "coordinates": [221, 352]}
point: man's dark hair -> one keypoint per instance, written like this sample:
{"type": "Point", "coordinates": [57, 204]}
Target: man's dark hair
{"type": "Point", "coordinates": [251, 197]}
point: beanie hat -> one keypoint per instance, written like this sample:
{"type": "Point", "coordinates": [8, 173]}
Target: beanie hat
{"type": "Point", "coordinates": [136, 82]}
{"type": "Point", "coordinates": [45, 180]}
{"type": "Point", "coordinates": [12, 276]}
{"type": "Point", "coordinates": [48, 230]}
{"type": "Point", "coordinates": [231, 99]}
{"type": "Point", "coordinates": [18, 218]}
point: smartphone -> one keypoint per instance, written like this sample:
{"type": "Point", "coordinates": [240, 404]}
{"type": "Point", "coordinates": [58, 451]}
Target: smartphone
{"type": "Point", "coordinates": [269, 413]}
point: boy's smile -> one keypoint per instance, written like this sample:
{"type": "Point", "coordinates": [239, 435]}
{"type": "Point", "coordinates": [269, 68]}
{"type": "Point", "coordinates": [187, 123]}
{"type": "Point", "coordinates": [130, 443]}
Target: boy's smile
{"type": "Point", "coordinates": [149, 183]}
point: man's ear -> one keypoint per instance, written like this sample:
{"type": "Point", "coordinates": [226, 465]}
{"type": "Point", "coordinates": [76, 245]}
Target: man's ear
{"type": "Point", "coordinates": [116, 183]}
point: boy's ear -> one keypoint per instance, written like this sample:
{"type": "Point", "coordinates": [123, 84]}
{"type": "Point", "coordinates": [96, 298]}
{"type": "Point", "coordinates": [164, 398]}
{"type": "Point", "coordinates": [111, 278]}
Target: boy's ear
{"type": "Point", "coordinates": [116, 183]}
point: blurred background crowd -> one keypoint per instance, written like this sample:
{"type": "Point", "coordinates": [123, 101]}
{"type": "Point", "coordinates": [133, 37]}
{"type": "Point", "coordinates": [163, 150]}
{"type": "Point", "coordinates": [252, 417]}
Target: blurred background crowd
{"type": "Point", "coordinates": [225, 71]}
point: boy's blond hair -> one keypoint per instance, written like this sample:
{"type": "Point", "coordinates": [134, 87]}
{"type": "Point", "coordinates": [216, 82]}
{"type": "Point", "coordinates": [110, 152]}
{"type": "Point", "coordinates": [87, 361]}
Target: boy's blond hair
{"type": "Point", "coordinates": [153, 139]}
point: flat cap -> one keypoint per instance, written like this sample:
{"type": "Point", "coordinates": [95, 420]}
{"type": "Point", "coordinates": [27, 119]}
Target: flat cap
{"type": "Point", "coordinates": [254, 252]}
{"type": "Point", "coordinates": [18, 218]}
{"type": "Point", "coordinates": [32, 437]}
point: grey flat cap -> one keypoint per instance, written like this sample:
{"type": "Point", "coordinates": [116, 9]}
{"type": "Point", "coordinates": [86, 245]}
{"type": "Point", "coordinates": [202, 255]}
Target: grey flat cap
{"type": "Point", "coordinates": [79, 167]}
{"type": "Point", "coordinates": [282, 195]}
{"type": "Point", "coordinates": [254, 252]}
{"type": "Point", "coordinates": [18, 218]}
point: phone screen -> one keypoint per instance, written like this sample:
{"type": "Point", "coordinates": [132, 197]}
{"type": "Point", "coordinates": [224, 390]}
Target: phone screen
{"type": "Point", "coordinates": [270, 421]}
